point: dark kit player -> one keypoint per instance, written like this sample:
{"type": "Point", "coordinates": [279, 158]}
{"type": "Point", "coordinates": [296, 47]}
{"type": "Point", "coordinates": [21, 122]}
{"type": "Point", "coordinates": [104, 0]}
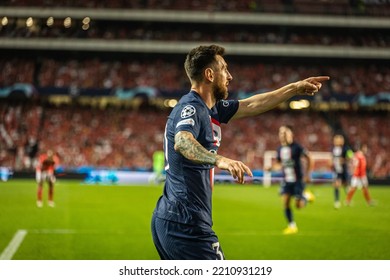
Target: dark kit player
{"type": "Point", "coordinates": [340, 157]}
{"type": "Point", "coordinates": [289, 155]}
{"type": "Point", "coordinates": [182, 220]}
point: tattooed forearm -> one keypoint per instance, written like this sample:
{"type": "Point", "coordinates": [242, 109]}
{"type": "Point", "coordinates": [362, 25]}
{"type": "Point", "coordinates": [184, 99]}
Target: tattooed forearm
{"type": "Point", "coordinates": [186, 144]}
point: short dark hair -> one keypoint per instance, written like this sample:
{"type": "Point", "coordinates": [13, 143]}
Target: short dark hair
{"type": "Point", "coordinates": [199, 59]}
{"type": "Point", "coordinates": [288, 126]}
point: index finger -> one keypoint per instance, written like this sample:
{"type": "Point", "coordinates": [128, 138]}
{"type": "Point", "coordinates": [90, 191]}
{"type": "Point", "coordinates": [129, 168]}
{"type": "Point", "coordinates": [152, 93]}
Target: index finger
{"type": "Point", "coordinates": [248, 171]}
{"type": "Point", "coordinates": [321, 78]}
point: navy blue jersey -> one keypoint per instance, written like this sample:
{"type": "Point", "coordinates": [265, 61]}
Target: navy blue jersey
{"type": "Point", "coordinates": [188, 187]}
{"type": "Point", "coordinates": [290, 158]}
{"type": "Point", "coordinates": [340, 154]}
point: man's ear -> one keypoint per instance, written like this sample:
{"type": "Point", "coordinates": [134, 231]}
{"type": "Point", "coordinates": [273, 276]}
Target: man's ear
{"type": "Point", "coordinates": [209, 74]}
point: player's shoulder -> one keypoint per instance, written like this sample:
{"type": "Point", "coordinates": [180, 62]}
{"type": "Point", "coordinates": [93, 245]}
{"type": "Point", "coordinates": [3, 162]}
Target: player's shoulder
{"type": "Point", "coordinates": [298, 148]}
{"type": "Point", "coordinates": [191, 98]}
{"type": "Point", "coordinates": [189, 105]}
{"type": "Point", "coordinates": [296, 145]}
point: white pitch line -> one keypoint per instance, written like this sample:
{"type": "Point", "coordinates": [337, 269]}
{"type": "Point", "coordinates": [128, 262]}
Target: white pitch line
{"type": "Point", "coordinates": [13, 246]}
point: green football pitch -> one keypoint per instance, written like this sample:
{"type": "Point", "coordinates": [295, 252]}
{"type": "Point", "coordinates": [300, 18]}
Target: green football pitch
{"type": "Point", "coordinates": [96, 222]}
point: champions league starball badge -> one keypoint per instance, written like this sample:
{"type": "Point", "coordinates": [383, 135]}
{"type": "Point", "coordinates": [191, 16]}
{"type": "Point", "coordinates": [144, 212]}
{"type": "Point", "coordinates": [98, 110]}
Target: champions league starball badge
{"type": "Point", "coordinates": [188, 111]}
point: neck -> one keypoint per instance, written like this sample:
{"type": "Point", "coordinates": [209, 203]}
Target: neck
{"type": "Point", "coordinates": [206, 94]}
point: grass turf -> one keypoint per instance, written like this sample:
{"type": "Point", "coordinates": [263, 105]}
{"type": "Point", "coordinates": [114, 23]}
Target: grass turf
{"type": "Point", "coordinates": [94, 222]}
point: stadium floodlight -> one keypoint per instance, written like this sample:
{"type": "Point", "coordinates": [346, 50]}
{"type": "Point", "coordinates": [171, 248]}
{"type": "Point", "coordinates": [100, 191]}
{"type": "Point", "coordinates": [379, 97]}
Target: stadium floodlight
{"type": "Point", "coordinates": [68, 22]}
{"type": "Point", "coordinates": [86, 20]}
{"type": "Point", "coordinates": [50, 21]}
{"type": "Point", "coordinates": [29, 22]}
{"type": "Point", "coordinates": [300, 104]}
{"type": "Point", "coordinates": [4, 21]}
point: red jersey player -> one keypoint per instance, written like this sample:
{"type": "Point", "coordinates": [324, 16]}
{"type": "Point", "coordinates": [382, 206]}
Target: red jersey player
{"type": "Point", "coordinates": [45, 173]}
{"type": "Point", "coordinates": [359, 177]}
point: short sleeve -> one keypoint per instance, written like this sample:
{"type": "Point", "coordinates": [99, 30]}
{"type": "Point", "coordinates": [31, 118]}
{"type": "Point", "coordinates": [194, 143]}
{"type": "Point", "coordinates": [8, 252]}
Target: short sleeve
{"type": "Point", "coordinates": [188, 118]}
{"type": "Point", "coordinates": [226, 109]}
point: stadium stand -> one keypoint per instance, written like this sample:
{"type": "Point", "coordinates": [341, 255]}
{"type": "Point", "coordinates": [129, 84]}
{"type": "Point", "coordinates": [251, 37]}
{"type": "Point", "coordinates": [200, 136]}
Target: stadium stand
{"type": "Point", "coordinates": [370, 80]}
{"type": "Point", "coordinates": [113, 138]}
{"type": "Point", "coordinates": [339, 7]}
{"type": "Point", "coordinates": [138, 30]}
{"type": "Point", "coordinates": [92, 130]}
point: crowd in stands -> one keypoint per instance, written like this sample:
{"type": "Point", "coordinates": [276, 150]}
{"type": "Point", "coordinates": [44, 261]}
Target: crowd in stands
{"type": "Point", "coordinates": [81, 136]}
{"type": "Point", "coordinates": [126, 139]}
{"type": "Point", "coordinates": [105, 138]}
{"type": "Point", "coordinates": [169, 75]}
{"type": "Point", "coordinates": [339, 7]}
{"type": "Point", "coordinates": [20, 128]}
{"type": "Point", "coordinates": [109, 30]}
{"type": "Point", "coordinates": [374, 131]}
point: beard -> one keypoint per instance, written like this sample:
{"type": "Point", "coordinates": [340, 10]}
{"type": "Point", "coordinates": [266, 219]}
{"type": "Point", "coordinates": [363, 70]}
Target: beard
{"type": "Point", "coordinates": [220, 92]}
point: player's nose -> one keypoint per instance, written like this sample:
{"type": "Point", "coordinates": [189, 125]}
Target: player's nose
{"type": "Point", "coordinates": [229, 76]}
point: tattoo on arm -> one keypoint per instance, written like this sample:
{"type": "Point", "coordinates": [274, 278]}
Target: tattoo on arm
{"type": "Point", "coordinates": [186, 144]}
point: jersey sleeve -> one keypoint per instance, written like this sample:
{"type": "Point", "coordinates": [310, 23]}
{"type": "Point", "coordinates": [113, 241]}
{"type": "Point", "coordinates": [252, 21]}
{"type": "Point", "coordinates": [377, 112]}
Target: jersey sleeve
{"type": "Point", "coordinates": [299, 151]}
{"type": "Point", "coordinates": [188, 118]}
{"type": "Point", "coordinates": [226, 109]}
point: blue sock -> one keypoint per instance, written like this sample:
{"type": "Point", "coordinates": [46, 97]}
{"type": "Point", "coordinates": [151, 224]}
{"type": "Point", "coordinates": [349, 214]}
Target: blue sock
{"type": "Point", "coordinates": [288, 214]}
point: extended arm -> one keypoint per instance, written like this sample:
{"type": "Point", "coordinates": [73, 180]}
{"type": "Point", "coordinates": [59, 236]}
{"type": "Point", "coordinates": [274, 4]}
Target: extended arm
{"type": "Point", "coordinates": [190, 148]}
{"type": "Point", "coordinates": [263, 102]}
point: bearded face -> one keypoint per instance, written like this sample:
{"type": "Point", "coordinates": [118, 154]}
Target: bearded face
{"type": "Point", "coordinates": [221, 80]}
{"type": "Point", "coordinates": [220, 90]}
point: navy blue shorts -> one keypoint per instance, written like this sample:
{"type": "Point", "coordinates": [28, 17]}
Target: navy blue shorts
{"type": "Point", "coordinates": [293, 189]}
{"type": "Point", "coordinates": [176, 241]}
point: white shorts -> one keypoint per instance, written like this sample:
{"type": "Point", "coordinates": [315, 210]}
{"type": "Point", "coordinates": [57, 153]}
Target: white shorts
{"type": "Point", "coordinates": [45, 176]}
{"type": "Point", "coordinates": [359, 182]}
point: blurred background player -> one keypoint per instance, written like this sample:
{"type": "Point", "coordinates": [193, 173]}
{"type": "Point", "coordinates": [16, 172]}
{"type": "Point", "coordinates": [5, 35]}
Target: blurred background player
{"type": "Point", "coordinates": [44, 172]}
{"type": "Point", "coordinates": [158, 175]}
{"type": "Point", "coordinates": [289, 156]}
{"type": "Point", "coordinates": [341, 155]}
{"type": "Point", "coordinates": [359, 176]}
